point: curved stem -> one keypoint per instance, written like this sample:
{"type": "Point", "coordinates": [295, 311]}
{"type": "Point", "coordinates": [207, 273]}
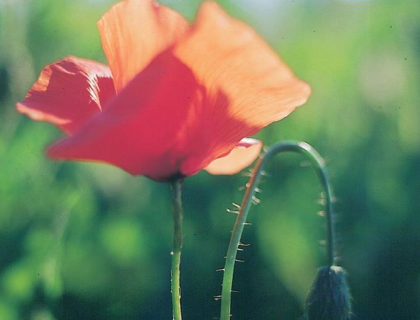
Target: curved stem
{"type": "Point", "coordinates": [319, 164]}
{"type": "Point", "coordinates": [176, 187]}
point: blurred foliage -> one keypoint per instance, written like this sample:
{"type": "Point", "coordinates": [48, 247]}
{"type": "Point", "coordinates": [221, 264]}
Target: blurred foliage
{"type": "Point", "coordinates": [88, 241]}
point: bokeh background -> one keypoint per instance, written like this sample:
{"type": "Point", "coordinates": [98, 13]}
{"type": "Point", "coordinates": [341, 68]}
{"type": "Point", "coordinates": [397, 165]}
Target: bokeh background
{"type": "Point", "coordinates": [88, 241]}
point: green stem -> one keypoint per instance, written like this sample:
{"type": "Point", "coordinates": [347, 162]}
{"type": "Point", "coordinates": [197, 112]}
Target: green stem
{"type": "Point", "coordinates": [176, 187]}
{"type": "Point", "coordinates": [319, 164]}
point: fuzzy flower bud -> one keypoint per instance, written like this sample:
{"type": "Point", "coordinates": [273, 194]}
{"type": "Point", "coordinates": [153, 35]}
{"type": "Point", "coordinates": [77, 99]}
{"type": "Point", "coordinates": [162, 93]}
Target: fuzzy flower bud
{"type": "Point", "coordinates": [329, 297]}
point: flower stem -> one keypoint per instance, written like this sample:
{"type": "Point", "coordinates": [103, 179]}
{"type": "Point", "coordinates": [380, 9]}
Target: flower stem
{"type": "Point", "coordinates": [319, 164]}
{"type": "Point", "coordinates": [176, 187]}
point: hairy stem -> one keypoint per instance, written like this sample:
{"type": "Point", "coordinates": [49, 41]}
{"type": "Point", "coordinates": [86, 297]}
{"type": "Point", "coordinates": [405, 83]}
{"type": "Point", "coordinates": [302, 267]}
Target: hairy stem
{"type": "Point", "coordinates": [176, 187]}
{"type": "Point", "coordinates": [319, 165]}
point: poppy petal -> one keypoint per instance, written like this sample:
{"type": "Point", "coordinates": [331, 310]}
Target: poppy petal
{"type": "Point", "coordinates": [191, 104]}
{"type": "Point", "coordinates": [69, 92]}
{"type": "Point", "coordinates": [145, 129]}
{"type": "Point", "coordinates": [134, 32]}
{"type": "Point", "coordinates": [238, 159]}
{"type": "Point", "coordinates": [229, 59]}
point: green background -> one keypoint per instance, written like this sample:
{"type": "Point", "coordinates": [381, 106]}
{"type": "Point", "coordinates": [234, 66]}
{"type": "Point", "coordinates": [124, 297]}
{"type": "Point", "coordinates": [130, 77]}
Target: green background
{"type": "Point", "coordinates": [88, 241]}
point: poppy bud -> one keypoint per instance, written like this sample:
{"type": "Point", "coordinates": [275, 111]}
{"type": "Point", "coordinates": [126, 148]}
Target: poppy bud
{"type": "Point", "coordinates": [329, 297]}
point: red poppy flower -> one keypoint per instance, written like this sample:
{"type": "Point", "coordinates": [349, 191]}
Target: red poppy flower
{"type": "Point", "coordinates": [175, 98]}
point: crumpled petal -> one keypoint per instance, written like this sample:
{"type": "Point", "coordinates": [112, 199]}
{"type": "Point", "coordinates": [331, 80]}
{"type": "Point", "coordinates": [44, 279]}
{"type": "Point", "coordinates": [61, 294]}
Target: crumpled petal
{"type": "Point", "coordinates": [134, 32]}
{"type": "Point", "coordinates": [247, 86]}
{"type": "Point", "coordinates": [242, 156]}
{"type": "Point", "coordinates": [68, 92]}
{"type": "Point", "coordinates": [146, 129]}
